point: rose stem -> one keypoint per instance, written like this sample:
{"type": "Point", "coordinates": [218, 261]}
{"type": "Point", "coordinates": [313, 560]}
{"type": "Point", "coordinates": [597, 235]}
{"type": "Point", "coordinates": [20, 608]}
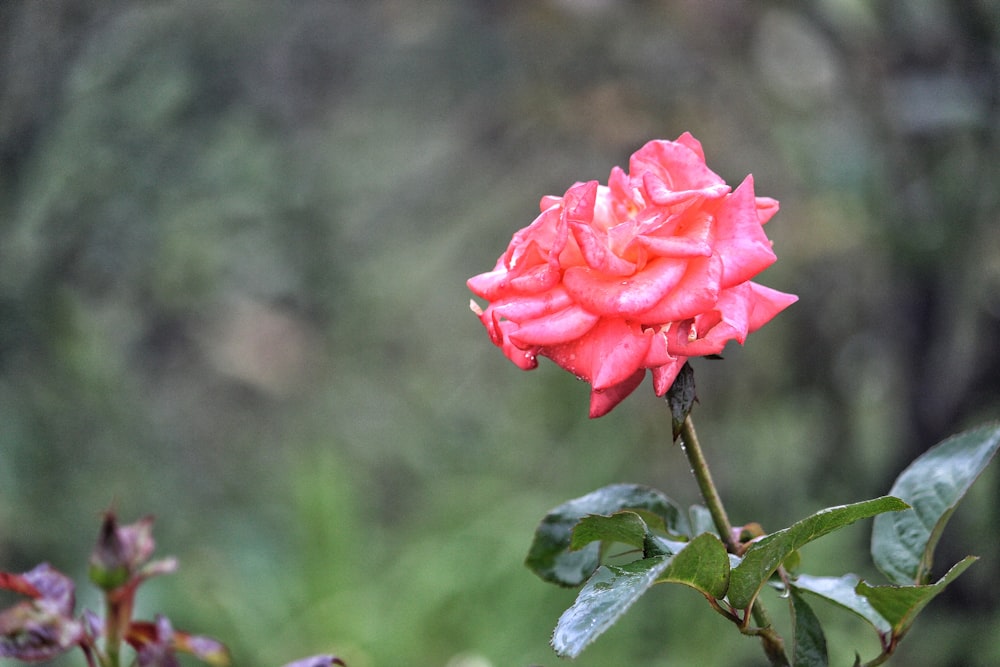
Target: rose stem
{"type": "Point", "coordinates": [773, 644]}
{"type": "Point", "coordinates": [699, 467]}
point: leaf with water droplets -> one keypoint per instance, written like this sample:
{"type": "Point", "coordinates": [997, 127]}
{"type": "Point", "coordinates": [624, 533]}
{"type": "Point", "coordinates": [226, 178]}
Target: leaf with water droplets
{"type": "Point", "coordinates": [551, 555]}
{"type": "Point", "coordinates": [701, 564]}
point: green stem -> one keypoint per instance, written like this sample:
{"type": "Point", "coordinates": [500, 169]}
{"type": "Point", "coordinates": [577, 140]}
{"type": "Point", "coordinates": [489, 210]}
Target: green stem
{"type": "Point", "coordinates": [112, 629]}
{"type": "Point", "coordinates": [699, 467]}
{"type": "Point", "coordinates": [774, 646]}
{"type": "Point", "coordinates": [886, 653]}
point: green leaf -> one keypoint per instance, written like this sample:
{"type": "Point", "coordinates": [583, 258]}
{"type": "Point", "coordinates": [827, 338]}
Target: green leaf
{"type": "Point", "coordinates": [602, 601]}
{"type": "Point", "coordinates": [681, 397]}
{"type": "Point", "coordinates": [702, 564]}
{"type": "Point", "coordinates": [550, 555]}
{"type": "Point", "coordinates": [810, 642]}
{"type": "Point", "coordinates": [624, 527]}
{"type": "Point", "coordinates": [903, 544]}
{"type": "Point", "coordinates": [701, 520]}
{"type": "Point", "coordinates": [899, 605]}
{"type": "Point", "coordinates": [764, 556]}
{"type": "Point", "coordinates": [842, 592]}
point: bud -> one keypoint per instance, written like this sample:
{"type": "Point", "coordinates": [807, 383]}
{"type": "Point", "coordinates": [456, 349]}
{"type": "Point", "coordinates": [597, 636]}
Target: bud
{"type": "Point", "coordinates": [121, 553]}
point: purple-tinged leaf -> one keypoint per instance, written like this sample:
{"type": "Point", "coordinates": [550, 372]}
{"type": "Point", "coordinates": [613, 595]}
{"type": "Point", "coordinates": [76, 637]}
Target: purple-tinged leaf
{"type": "Point", "coordinates": [158, 642]}
{"type": "Point", "coordinates": [153, 643]}
{"type": "Point", "coordinates": [36, 630]}
{"type": "Point", "coordinates": [42, 627]}
{"type": "Point", "coordinates": [43, 582]}
{"type": "Point", "coordinates": [317, 661]}
{"type": "Point", "coordinates": [204, 648]}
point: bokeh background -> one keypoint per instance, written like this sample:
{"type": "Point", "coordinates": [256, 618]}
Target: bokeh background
{"type": "Point", "coordinates": [234, 238]}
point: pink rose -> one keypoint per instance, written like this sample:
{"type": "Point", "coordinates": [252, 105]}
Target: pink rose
{"type": "Point", "coordinates": [644, 272]}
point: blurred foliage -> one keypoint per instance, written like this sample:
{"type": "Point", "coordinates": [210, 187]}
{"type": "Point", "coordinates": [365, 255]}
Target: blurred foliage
{"type": "Point", "coordinates": [233, 244]}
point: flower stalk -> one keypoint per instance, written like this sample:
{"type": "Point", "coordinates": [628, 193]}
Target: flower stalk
{"type": "Point", "coordinates": [773, 644]}
{"type": "Point", "coordinates": [699, 468]}
{"type": "Point", "coordinates": [113, 631]}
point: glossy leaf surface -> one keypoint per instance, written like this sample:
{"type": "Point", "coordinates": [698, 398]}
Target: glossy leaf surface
{"type": "Point", "coordinates": [810, 642]}
{"type": "Point", "coordinates": [624, 527]}
{"type": "Point", "coordinates": [702, 564]}
{"type": "Point", "coordinates": [765, 556]}
{"type": "Point", "coordinates": [608, 595]}
{"type": "Point", "coordinates": [899, 605]}
{"type": "Point", "coordinates": [903, 544]}
{"type": "Point", "coordinates": [550, 555]}
{"type": "Point", "coordinates": [842, 592]}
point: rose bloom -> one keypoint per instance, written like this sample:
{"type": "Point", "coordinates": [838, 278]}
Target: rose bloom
{"type": "Point", "coordinates": [639, 274]}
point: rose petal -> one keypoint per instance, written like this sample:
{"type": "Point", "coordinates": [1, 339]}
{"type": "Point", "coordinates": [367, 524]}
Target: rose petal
{"type": "Point", "coordinates": [662, 195]}
{"type": "Point", "coordinates": [620, 354]}
{"type": "Point", "coordinates": [604, 400]}
{"type": "Point", "coordinates": [681, 236]}
{"type": "Point", "coordinates": [525, 359]}
{"type": "Point", "coordinates": [606, 355]}
{"type": "Point", "coordinates": [766, 208]}
{"type": "Point", "coordinates": [767, 303]}
{"type": "Point", "coordinates": [548, 201]}
{"type": "Point", "coordinates": [695, 292]}
{"type": "Point", "coordinates": [578, 202]}
{"type": "Point", "coordinates": [597, 252]}
{"type": "Point", "coordinates": [674, 247]}
{"type": "Point", "coordinates": [489, 285]}
{"type": "Point", "coordinates": [525, 307]}
{"type": "Point", "coordinates": [709, 332]}
{"type": "Point", "coordinates": [659, 352]}
{"type": "Point", "coordinates": [616, 297]}
{"type": "Point", "coordinates": [680, 165]}
{"type": "Point", "coordinates": [740, 239]}
{"type": "Point", "coordinates": [536, 279]}
{"type": "Point", "coordinates": [739, 311]}
{"type": "Point", "coordinates": [687, 139]}
{"type": "Point", "coordinates": [664, 376]}
{"type": "Point", "coordinates": [623, 201]}
{"type": "Point", "coordinates": [554, 329]}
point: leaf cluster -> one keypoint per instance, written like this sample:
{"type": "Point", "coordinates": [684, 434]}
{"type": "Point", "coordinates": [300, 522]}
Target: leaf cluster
{"type": "Point", "coordinates": [621, 540]}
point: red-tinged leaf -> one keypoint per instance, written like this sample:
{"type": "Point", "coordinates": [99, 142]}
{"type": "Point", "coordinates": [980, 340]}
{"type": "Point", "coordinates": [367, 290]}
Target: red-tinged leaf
{"type": "Point", "coordinates": [317, 661]}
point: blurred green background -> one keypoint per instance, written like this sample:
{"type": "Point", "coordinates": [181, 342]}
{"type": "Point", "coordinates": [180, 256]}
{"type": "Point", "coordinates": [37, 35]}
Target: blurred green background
{"type": "Point", "coordinates": [234, 238]}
